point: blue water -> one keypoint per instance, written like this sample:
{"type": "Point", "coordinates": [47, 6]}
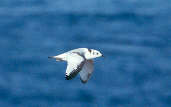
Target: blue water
{"type": "Point", "coordinates": [134, 36]}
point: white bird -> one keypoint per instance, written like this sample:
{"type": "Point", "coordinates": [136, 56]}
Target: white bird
{"type": "Point", "coordinates": [79, 61]}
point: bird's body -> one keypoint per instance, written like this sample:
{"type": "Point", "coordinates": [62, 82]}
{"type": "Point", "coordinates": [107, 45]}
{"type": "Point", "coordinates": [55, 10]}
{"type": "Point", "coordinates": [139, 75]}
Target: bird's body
{"type": "Point", "coordinates": [79, 61]}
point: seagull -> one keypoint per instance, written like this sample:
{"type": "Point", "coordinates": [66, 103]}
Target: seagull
{"type": "Point", "coordinates": [79, 61]}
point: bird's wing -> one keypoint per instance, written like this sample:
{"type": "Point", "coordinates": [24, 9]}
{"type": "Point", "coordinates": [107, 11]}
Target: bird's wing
{"type": "Point", "coordinates": [86, 71]}
{"type": "Point", "coordinates": [75, 63]}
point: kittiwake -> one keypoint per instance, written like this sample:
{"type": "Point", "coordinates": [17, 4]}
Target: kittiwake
{"type": "Point", "coordinates": [79, 61]}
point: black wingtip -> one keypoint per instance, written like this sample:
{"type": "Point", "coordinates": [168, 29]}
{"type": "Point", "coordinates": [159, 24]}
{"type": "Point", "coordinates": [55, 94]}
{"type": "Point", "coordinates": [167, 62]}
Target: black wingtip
{"type": "Point", "coordinates": [67, 77]}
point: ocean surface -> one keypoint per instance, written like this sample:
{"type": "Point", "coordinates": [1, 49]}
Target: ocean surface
{"type": "Point", "coordinates": [133, 35]}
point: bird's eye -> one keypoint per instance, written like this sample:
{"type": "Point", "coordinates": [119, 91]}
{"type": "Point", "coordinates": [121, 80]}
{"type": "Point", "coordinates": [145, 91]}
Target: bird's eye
{"type": "Point", "coordinates": [97, 53]}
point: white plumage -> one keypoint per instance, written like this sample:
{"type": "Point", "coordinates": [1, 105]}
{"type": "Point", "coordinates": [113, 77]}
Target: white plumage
{"type": "Point", "coordinates": [79, 61]}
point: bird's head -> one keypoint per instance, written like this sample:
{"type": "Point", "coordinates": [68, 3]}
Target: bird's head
{"type": "Point", "coordinates": [92, 53]}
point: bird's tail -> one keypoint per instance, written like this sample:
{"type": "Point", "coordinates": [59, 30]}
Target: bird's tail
{"type": "Point", "coordinates": [55, 57]}
{"type": "Point", "coordinates": [51, 57]}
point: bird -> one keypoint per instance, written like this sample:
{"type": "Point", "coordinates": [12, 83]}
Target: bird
{"type": "Point", "coordinates": [80, 61]}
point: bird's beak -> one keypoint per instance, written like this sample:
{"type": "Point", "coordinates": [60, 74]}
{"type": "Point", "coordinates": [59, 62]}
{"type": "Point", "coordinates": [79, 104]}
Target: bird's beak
{"type": "Point", "coordinates": [102, 55]}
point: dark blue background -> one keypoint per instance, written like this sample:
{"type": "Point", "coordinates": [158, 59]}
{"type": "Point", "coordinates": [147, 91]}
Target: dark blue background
{"type": "Point", "coordinates": [134, 35]}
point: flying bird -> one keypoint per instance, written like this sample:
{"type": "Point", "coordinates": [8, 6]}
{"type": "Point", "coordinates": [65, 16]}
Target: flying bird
{"type": "Point", "coordinates": [79, 61]}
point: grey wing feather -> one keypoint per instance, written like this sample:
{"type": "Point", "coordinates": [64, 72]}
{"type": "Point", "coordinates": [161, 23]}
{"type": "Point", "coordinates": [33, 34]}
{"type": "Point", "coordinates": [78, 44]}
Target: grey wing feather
{"type": "Point", "coordinates": [75, 63]}
{"type": "Point", "coordinates": [86, 71]}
